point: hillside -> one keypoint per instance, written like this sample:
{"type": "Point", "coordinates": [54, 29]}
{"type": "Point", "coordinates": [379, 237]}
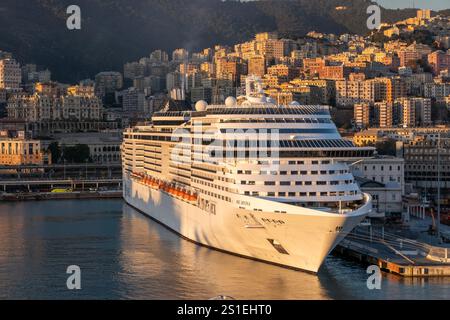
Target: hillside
{"type": "Point", "coordinates": [115, 31]}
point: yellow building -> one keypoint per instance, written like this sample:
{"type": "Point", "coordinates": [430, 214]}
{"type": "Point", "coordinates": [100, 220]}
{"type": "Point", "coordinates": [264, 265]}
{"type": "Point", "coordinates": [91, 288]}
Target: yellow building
{"type": "Point", "coordinates": [208, 68]}
{"type": "Point", "coordinates": [51, 89]}
{"type": "Point", "coordinates": [79, 90]}
{"type": "Point", "coordinates": [19, 150]}
{"type": "Point", "coordinates": [257, 65]}
{"type": "Point", "coordinates": [365, 138]}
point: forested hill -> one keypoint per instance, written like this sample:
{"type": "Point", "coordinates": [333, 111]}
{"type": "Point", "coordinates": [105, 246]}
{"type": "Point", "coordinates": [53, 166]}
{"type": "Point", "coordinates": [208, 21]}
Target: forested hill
{"type": "Point", "coordinates": [116, 31]}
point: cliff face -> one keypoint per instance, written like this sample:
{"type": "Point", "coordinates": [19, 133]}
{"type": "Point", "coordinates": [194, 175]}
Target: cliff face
{"type": "Point", "coordinates": [117, 31]}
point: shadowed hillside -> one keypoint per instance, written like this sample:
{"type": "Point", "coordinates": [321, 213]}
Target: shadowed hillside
{"type": "Point", "coordinates": [116, 31]}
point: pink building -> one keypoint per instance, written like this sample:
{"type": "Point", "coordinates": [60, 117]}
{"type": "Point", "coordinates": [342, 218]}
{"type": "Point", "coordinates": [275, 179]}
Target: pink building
{"type": "Point", "coordinates": [439, 61]}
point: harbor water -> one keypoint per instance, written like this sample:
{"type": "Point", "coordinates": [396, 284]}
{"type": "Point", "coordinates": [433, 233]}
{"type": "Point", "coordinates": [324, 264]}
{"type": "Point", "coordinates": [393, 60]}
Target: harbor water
{"type": "Point", "coordinates": [124, 255]}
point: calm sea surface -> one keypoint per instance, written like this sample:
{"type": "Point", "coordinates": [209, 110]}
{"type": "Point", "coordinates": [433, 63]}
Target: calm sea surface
{"type": "Point", "coordinates": [124, 255]}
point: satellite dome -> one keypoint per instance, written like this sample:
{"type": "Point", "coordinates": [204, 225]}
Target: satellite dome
{"type": "Point", "coordinates": [294, 103]}
{"type": "Point", "coordinates": [201, 105]}
{"type": "Point", "coordinates": [230, 102]}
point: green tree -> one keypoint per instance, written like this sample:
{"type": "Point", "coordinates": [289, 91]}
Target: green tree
{"type": "Point", "coordinates": [386, 147]}
{"type": "Point", "coordinates": [76, 154]}
{"type": "Point", "coordinates": [55, 151]}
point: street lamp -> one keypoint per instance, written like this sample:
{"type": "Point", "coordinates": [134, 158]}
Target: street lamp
{"type": "Point", "coordinates": [438, 224]}
{"type": "Point", "coordinates": [86, 162]}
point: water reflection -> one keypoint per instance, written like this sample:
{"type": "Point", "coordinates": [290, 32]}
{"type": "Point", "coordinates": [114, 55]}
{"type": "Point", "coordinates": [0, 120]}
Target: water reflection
{"type": "Point", "coordinates": [177, 268]}
{"type": "Point", "coordinates": [125, 255]}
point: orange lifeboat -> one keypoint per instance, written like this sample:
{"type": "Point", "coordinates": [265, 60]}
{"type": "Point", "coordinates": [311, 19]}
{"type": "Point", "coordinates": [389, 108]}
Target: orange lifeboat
{"type": "Point", "coordinates": [191, 197]}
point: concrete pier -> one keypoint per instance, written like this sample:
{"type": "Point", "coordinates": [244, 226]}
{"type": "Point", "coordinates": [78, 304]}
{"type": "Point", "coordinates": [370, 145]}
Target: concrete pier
{"type": "Point", "coordinates": [405, 258]}
{"type": "Point", "coordinates": [33, 196]}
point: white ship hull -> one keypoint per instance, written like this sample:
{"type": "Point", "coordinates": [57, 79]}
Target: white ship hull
{"type": "Point", "coordinates": [300, 241]}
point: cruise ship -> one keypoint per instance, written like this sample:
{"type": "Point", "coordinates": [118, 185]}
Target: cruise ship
{"type": "Point", "coordinates": [252, 178]}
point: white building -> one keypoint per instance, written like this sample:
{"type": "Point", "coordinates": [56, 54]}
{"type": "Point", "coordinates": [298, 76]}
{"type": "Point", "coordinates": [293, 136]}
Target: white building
{"type": "Point", "coordinates": [436, 90]}
{"type": "Point", "coordinates": [386, 197]}
{"type": "Point", "coordinates": [174, 80]}
{"type": "Point", "coordinates": [361, 115]}
{"type": "Point", "coordinates": [133, 70]}
{"type": "Point", "coordinates": [108, 82]}
{"type": "Point", "coordinates": [104, 147]}
{"type": "Point", "coordinates": [383, 114]}
{"type": "Point", "coordinates": [159, 56]}
{"type": "Point", "coordinates": [382, 169]}
{"type": "Point", "coordinates": [80, 108]}
{"type": "Point", "coordinates": [411, 112]}
{"type": "Point", "coordinates": [40, 76]}
{"type": "Point", "coordinates": [133, 101]}
{"type": "Point", "coordinates": [41, 107]}
{"type": "Point", "coordinates": [10, 74]}
{"type": "Point", "coordinates": [180, 55]}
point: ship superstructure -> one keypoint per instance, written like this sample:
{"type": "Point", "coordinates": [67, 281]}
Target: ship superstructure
{"type": "Point", "coordinates": [249, 177]}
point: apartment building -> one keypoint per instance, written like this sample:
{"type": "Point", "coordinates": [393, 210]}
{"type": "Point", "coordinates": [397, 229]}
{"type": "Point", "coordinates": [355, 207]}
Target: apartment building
{"type": "Point", "coordinates": [10, 74]}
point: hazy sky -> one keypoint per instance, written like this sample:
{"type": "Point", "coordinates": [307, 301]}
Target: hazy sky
{"type": "Point", "coordinates": [424, 4]}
